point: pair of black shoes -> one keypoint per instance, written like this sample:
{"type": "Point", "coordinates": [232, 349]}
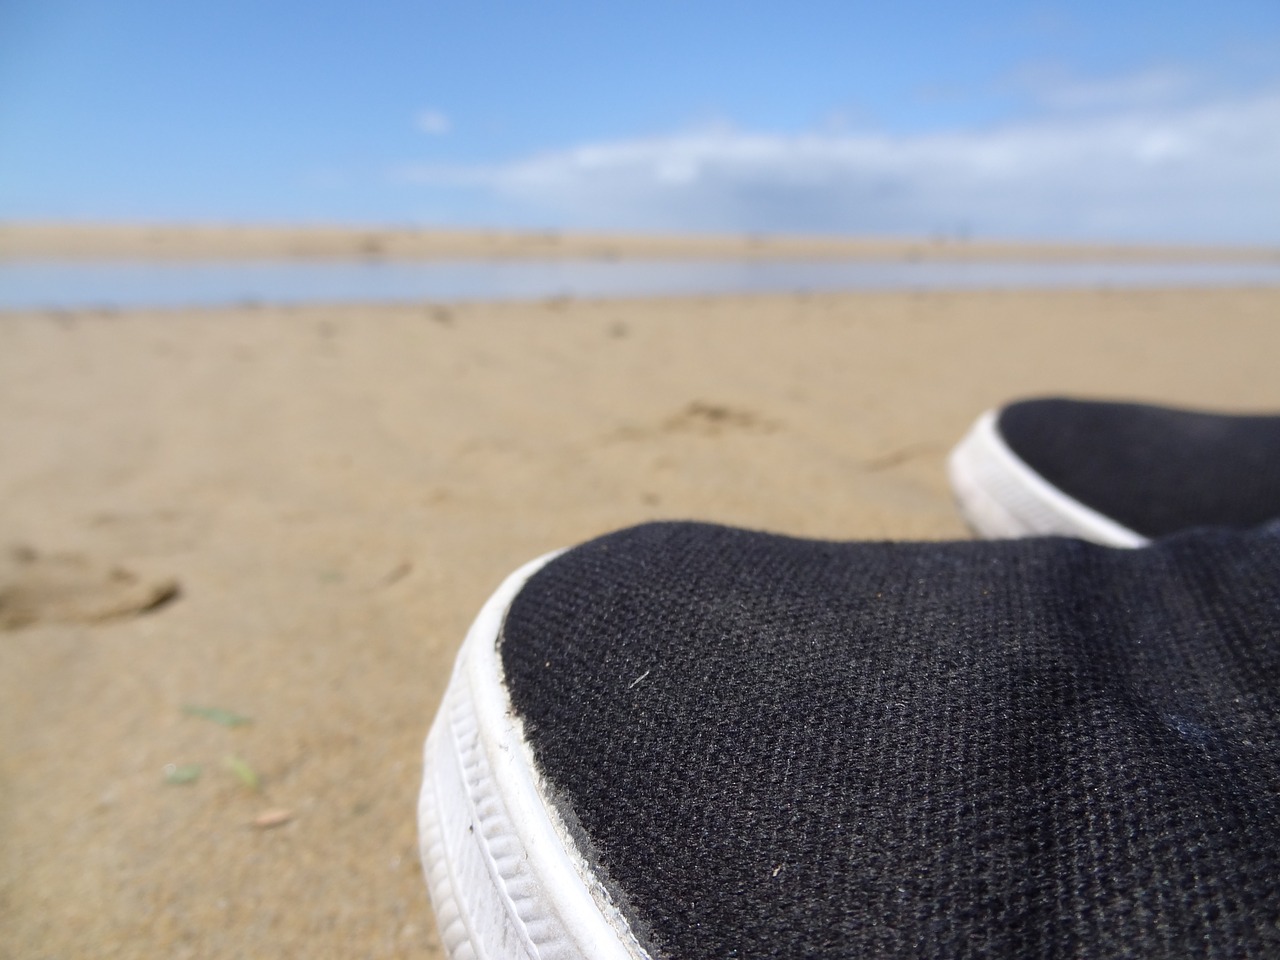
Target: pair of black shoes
{"type": "Point", "coordinates": [690, 741]}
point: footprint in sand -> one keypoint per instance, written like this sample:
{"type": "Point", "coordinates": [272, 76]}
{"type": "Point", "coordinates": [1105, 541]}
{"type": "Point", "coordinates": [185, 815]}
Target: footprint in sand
{"type": "Point", "coordinates": [712, 419]}
{"type": "Point", "coordinates": [704, 419]}
{"type": "Point", "coordinates": [69, 588]}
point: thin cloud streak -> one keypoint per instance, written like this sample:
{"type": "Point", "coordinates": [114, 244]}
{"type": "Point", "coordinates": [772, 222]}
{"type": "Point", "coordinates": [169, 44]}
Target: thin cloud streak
{"type": "Point", "coordinates": [1206, 173]}
{"type": "Point", "coordinates": [1059, 91]}
{"type": "Point", "coordinates": [434, 122]}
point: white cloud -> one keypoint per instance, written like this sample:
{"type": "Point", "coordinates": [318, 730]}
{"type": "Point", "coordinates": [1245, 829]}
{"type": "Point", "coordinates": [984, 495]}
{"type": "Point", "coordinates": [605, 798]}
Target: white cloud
{"type": "Point", "coordinates": [1209, 172]}
{"type": "Point", "coordinates": [1148, 89]}
{"type": "Point", "coordinates": [434, 122]}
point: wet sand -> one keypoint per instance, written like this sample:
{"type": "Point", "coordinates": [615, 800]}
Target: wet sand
{"type": "Point", "coordinates": [290, 515]}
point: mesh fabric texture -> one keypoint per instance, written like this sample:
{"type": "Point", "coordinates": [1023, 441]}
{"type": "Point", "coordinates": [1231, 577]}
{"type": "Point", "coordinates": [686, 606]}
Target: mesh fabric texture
{"type": "Point", "coordinates": [1043, 748]}
{"type": "Point", "coordinates": [1155, 470]}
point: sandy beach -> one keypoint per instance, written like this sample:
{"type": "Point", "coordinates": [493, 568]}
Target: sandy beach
{"type": "Point", "coordinates": [285, 518]}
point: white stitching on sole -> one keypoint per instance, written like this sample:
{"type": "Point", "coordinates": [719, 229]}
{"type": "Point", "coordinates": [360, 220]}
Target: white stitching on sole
{"type": "Point", "coordinates": [505, 879]}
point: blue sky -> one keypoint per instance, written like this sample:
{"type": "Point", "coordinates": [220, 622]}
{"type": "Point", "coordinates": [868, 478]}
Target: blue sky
{"type": "Point", "coordinates": [1124, 121]}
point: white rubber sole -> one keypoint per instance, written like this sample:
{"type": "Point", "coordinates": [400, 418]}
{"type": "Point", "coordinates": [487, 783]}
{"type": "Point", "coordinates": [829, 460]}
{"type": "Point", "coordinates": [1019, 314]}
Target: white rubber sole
{"type": "Point", "coordinates": [1001, 497]}
{"type": "Point", "coordinates": [505, 878]}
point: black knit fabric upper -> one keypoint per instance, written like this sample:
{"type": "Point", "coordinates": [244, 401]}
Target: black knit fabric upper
{"type": "Point", "coordinates": [1041, 748]}
{"type": "Point", "coordinates": [1152, 469]}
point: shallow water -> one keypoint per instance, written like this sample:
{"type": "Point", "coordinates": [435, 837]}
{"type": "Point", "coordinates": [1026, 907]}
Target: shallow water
{"type": "Point", "coordinates": [41, 284]}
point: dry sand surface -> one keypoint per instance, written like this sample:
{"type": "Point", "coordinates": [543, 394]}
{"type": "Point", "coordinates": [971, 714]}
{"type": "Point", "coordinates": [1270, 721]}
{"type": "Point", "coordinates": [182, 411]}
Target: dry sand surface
{"type": "Point", "coordinates": [307, 505]}
{"type": "Point", "coordinates": [184, 242]}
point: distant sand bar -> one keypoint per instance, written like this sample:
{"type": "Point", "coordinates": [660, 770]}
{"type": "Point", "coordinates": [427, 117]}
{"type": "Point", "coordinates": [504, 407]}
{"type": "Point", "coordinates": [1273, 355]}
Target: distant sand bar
{"type": "Point", "coordinates": [206, 242]}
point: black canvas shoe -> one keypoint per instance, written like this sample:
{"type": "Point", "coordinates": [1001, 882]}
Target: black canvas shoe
{"type": "Point", "coordinates": [689, 741]}
{"type": "Point", "coordinates": [1116, 473]}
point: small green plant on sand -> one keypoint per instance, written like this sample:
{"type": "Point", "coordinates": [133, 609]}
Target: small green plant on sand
{"type": "Point", "coordinates": [247, 775]}
{"type": "Point", "coordinates": [181, 773]}
{"type": "Point", "coordinates": [219, 716]}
